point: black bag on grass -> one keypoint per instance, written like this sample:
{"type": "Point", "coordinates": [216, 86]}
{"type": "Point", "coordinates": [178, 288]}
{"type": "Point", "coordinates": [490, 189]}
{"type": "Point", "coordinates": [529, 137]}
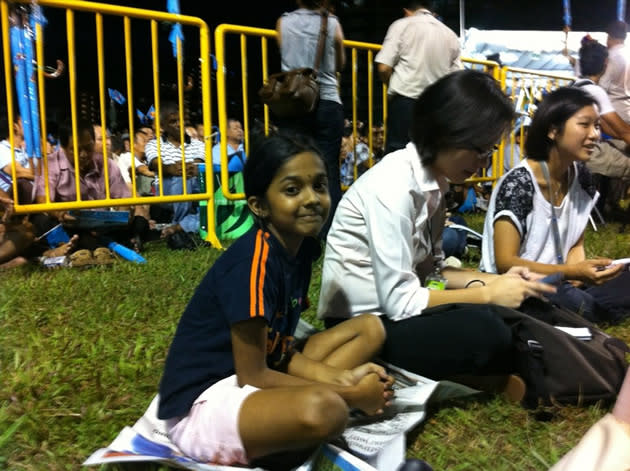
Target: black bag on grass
{"type": "Point", "coordinates": [561, 368]}
{"type": "Point", "coordinates": [181, 240]}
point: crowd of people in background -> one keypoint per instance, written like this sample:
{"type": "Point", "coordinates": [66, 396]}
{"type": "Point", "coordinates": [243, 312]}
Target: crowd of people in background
{"type": "Point", "coordinates": [130, 160]}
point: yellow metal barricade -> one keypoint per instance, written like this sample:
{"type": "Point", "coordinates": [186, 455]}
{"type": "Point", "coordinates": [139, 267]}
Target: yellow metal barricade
{"type": "Point", "coordinates": [263, 36]}
{"type": "Point", "coordinates": [243, 33]}
{"type": "Point", "coordinates": [98, 11]}
{"type": "Point", "coordinates": [526, 87]}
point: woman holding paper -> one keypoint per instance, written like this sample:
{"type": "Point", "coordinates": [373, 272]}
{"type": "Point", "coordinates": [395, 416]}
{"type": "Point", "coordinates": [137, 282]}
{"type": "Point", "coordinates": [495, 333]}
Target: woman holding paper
{"type": "Point", "coordinates": [538, 211]}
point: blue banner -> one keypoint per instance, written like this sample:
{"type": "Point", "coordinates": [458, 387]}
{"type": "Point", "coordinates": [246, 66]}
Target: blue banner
{"type": "Point", "coordinates": [567, 13]}
{"type": "Point", "coordinates": [172, 6]}
{"type": "Point", "coordinates": [33, 102]}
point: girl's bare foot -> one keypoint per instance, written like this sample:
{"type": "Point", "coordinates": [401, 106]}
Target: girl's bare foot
{"type": "Point", "coordinates": [63, 249]}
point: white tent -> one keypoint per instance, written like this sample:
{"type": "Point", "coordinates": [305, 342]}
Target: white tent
{"type": "Point", "coordinates": [536, 50]}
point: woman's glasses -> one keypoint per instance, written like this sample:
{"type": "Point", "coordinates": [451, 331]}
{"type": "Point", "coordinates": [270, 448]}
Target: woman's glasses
{"type": "Point", "coordinates": [487, 154]}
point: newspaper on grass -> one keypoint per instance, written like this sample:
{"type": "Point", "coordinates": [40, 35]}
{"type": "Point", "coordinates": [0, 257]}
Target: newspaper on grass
{"type": "Point", "coordinates": [147, 441]}
{"type": "Point", "coordinates": [370, 443]}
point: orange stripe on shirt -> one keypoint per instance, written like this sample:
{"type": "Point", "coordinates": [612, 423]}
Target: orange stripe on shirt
{"type": "Point", "coordinates": [252, 275]}
{"type": "Point", "coordinates": [261, 277]}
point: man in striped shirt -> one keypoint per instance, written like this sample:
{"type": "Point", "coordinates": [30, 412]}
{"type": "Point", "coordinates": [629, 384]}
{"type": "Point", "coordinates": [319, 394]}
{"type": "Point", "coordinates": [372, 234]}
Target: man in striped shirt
{"type": "Point", "coordinates": [186, 213]}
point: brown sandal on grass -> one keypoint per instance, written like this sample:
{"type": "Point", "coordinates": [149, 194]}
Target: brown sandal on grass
{"type": "Point", "coordinates": [81, 258]}
{"type": "Point", "coordinates": [103, 256]}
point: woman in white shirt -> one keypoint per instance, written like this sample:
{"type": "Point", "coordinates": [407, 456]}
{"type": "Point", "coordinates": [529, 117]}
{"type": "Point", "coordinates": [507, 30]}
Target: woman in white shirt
{"type": "Point", "coordinates": [386, 239]}
{"type": "Point", "coordinates": [519, 227]}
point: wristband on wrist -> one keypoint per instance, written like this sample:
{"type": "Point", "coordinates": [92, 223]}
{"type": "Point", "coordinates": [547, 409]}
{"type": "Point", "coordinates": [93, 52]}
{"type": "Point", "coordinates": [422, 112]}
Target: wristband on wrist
{"type": "Point", "coordinates": [483, 283]}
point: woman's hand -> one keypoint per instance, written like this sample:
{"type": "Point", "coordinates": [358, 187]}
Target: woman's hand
{"type": "Point", "coordinates": [593, 271]}
{"type": "Point", "coordinates": [510, 289]}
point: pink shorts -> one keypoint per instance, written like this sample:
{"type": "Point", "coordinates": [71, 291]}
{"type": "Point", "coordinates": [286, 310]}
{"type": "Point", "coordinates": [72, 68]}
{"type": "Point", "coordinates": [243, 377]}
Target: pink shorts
{"type": "Point", "coordinates": [209, 433]}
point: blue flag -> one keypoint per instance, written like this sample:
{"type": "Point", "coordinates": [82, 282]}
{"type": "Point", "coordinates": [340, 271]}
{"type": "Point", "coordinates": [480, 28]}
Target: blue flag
{"type": "Point", "coordinates": [172, 6]}
{"type": "Point", "coordinates": [116, 96]}
{"type": "Point", "coordinates": [142, 117]}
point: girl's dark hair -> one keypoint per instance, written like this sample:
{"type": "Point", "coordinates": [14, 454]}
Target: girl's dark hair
{"type": "Point", "coordinates": [465, 109]}
{"type": "Point", "coordinates": [269, 154]}
{"type": "Point", "coordinates": [552, 113]}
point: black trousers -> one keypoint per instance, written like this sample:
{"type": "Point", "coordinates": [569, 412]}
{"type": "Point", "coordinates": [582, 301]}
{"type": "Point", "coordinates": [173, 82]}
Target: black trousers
{"type": "Point", "coordinates": [449, 340]}
{"type": "Point", "coordinates": [400, 112]}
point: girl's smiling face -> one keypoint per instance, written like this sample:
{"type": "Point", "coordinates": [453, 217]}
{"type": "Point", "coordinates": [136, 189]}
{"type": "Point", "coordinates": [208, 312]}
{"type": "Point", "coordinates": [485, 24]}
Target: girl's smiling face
{"type": "Point", "coordinates": [297, 202]}
{"type": "Point", "coordinates": [580, 135]}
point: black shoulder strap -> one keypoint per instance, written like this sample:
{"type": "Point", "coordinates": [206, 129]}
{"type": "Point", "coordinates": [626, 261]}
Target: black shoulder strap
{"type": "Point", "coordinates": [582, 82]}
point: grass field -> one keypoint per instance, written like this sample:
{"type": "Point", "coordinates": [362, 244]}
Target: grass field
{"type": "Point", "coordinates": [81, 354]}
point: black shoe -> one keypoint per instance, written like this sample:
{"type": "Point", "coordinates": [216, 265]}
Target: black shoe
{"type": "Point", "coordinates": [414, 464]}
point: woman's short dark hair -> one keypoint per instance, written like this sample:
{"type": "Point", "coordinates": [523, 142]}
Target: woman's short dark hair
{"type": "Point", "coordinates": [593, 57]}
{"type": "Point", "coordinates": [465, 109]}
{"type": "Point", "coordinates": [269, 154]}
{"type": "Point", "coordinates": [552, 113]}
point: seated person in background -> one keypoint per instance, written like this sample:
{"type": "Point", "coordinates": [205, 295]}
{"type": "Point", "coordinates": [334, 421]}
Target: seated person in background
{"type": "Point", "coordinates": [185, 213]}
{"type": "Point", "coordinates": [191, 131]}
{"type": "Point", "coordinates": [519, 227]}
{"type": "Point", "coordinates": [61, 170]}
{"type": "Point", "coordinates": [236, 387]}
{"type": "Point", "coordinates": [347, 159]}
{"type": "Point", "coordinates": [606, 445]}
{"type": "Point", "coordinates": [610, 157]}
{"type": "Point", "coordinates": [235, 148]}
{"type": "Point", "coordinates": [62, 187]}
{"type": "Point", "coordinates": [23, 168]}
{"type": "Point", "coordinates": [378, 142]}
{"type": "Point", "coordinates": [126, 142]}
{"type": "Point", "coordinates": [109, 142]}
{"type": "Point", "coordinates": [454, 240]}
{"type": "Point", "coordinates": [16, 235]}
{"type": "Point", "coordinates": [140, 139]}
{"type": "Point", "coordinates": [384, 249]}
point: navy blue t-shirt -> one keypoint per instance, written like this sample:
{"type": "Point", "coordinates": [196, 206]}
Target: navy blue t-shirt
{"type": "Point", "coordinates": [255, 277]}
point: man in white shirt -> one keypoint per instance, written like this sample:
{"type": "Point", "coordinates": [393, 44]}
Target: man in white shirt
{"type": "Point", "coordinates": [611, 158]}
{"type": "Point", "coordinates": [616, 80]}
{"type": "Point", "coordinates": [418, 49]}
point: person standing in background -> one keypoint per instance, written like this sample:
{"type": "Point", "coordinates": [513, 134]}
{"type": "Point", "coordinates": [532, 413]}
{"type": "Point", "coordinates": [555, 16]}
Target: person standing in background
{"type": "Point", "coordinates": [616, 81]}
{"type": "Point", "coordinates": [418, 49]}
{"type": "Point", "coordinates": [298, 35]}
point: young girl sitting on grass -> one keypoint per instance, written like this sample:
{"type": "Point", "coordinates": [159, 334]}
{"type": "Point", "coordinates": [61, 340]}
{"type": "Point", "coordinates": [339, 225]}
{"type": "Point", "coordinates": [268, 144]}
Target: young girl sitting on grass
{"type": "Point", "coordinates": [235, 388]}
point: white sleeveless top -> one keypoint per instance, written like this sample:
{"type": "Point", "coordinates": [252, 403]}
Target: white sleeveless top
{"type": "Point", "coordinates": [518, 197]}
